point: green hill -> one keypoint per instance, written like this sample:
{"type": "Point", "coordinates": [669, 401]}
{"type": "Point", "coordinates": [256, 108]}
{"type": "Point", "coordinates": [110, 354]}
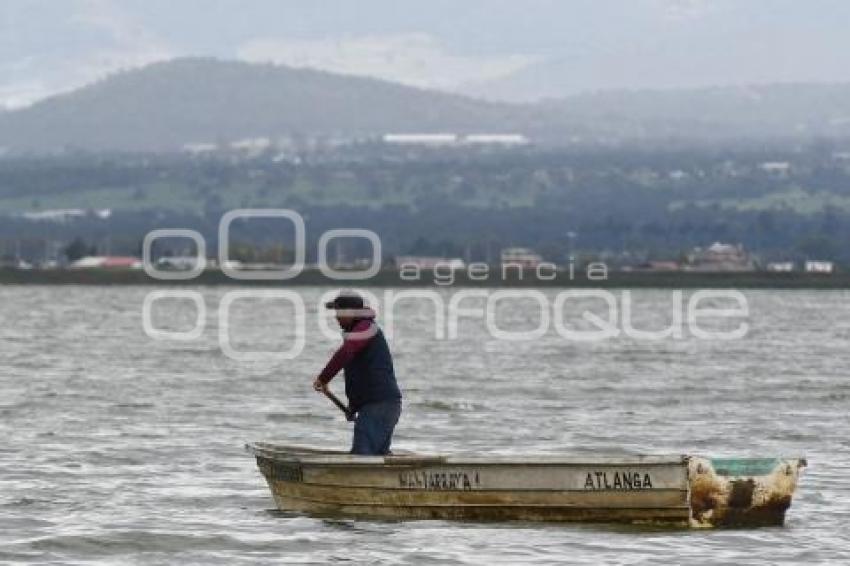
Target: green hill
{"type": "Point", "coordinates": [166, 105]}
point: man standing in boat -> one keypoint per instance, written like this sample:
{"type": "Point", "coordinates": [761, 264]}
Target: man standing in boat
{"type": "Point", "coordinates": [370, 383]}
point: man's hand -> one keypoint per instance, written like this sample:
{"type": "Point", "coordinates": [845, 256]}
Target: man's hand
{"type": "Point", "coordinates": [318, 385]}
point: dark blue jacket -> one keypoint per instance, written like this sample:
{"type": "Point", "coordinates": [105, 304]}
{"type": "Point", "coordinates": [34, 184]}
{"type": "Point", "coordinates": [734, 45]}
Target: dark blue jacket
{"type": "Point", "coordinates": [369, 376]}
{"type": "Point", "coordinates": [367, 363]}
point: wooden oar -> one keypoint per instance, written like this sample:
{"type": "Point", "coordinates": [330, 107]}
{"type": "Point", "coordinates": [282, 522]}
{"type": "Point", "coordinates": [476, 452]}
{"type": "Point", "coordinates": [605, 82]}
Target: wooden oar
{"type": "Point", "coordinates": [348, 414]}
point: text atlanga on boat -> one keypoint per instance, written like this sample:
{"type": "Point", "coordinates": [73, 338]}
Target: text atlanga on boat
{"type": "Point", "coordinates": [686, 491]}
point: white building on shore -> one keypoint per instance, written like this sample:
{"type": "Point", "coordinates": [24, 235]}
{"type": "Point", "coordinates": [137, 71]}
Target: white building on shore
{"type": "Point", "coordinates": [451, 139]}
{"type": "Point", "coordinates": [421, 139]}
{"type": "Point", "coordinates": [520, 257]}
{"type": "Point", "coordinates": [429, 262]}
{"type": "Point", "coordinates": [780, 266]}
{"type": "Point", "coordinates": [819, 266]}
{"type": "Point", "coordinates": [720, 257]}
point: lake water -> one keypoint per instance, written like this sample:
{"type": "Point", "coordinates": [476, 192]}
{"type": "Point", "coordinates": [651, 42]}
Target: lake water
{"type": "Point", "coordinates": [121, 449]}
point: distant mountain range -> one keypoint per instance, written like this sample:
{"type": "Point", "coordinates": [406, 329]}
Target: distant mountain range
{"type": "Point", "coordinates": [165, 106]}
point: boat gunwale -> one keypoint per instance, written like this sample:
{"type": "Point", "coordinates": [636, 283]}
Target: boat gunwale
{"type": "Point", "coordinates": [305, 455]}
{"type": "Point", "coordinates": [295, 454]}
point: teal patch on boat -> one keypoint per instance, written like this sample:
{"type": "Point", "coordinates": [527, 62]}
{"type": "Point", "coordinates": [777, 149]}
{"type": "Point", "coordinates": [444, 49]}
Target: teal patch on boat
{"type": "Point", "coordinates": [744, 466]}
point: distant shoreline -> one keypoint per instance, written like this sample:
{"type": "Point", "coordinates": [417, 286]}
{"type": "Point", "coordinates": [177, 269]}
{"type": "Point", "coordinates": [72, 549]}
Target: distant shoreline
{"type": "Point", "coordinates": [392, 278]}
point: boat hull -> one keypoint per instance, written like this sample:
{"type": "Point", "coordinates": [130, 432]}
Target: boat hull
{"type": "Point", "coordinates": [677, 491]}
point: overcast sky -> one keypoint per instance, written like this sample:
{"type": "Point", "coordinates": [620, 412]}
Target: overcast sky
{"type": "Point", "coordinates": [513, 49]}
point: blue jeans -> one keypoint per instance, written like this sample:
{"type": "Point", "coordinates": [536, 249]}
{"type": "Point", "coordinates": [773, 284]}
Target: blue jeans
{"type": "Point", "coordinates": [373, 427]}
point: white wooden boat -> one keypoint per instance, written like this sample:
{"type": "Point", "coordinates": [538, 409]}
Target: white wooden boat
{"type": "Point", "coordinates": [674, 490]}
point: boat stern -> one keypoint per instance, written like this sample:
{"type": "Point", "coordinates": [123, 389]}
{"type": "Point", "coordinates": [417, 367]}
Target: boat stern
{"type": "Point", "coordinates": [741, 492]}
